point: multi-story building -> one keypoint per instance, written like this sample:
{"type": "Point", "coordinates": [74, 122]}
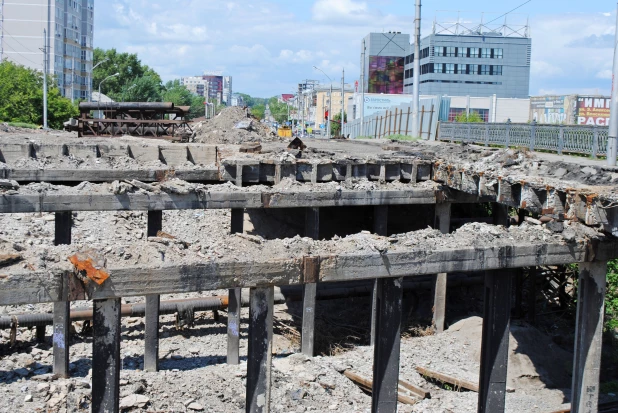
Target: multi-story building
{"type": "Point", "coordinates": [195, 84]}
{"type": "Point", "coordinates": [385, 55]}
{"type": "Point", "coordinates": [69, 28]}
{"type": "Point", "coordinates": [227, 90]}
{"type": "Point", "coordinates": [321, 101]}
{"type": "Point", "coordinates": [473, 62]}
{"type": "Point", "coordinates": [237, 100]}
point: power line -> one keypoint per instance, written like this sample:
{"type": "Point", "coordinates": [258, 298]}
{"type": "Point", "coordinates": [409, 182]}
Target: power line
{"type": "Point", "coordinates": [31, 61]}
{"type": "Point", "coordinates": [499, 17]}
{"type": "Point", "coordinates": [21, 44]}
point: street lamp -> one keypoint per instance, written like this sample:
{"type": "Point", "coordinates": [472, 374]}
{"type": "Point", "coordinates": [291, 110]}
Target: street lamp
{"type": "Point", "coordinates": [90, 82]}
{"type": "Point", "coordinates": [99, 100]}
{"type": "Point", "coordinates": [330, 101]}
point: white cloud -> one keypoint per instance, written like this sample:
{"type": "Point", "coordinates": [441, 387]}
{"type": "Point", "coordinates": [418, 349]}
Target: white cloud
{"type": "Point", "coordinates": [544, 69]}
{"type": "Point", "coordinates": [325, 10]}
{"type": "Point", "coordinates": [604, 74]}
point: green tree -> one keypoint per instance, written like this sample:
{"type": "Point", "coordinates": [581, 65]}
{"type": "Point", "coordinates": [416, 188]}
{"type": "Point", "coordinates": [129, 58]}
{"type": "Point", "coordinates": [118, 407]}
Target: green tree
{"type": "Point", "coordinates": [21, 97]}
{"type": "Point", "coordinates": [176, 93]}
{"type": "Point", "coordinates": [335, 125]}
{"type": "Point", "coordinates": [198, 108]}
{"type": "Point", "coordinates": [142, 89]}
{"type": "Point", "coordinates": [473, 117]}
{"type": "Point", "coordinates": [252, 101]}
{"type": "Point", "coordinates": [278, 110]}
{"type": "Point", "coordinates": [129, 67]}
{"type": "Point", "coordinates": [258, 111]}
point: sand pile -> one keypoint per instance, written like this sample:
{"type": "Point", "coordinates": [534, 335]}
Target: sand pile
{"type": "Point", "coordinates": [232, 126]}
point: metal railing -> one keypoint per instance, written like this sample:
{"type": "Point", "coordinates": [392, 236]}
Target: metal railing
{"type": "Point", "coordinates": [587, 140]}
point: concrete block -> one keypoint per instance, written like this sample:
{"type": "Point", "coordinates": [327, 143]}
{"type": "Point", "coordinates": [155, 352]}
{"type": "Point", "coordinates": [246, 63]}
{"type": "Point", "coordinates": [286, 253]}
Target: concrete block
{"type": "Point", "coordinates": [48, 151]}
{"type": "Point", "coordinates": [325, 172]}
{"type": "Point", "coordinates": [424, 172]}
{"type": "Point", "coordinates": [113, 150]}
{"type": "Point", "coordinates": [267, 171]}
{"type": "Point", "coordinates": [11, 153]}
{"type": "Point", "coordinates": [339, 171]}
{"type": "Point", "coordinates": [144, 153]}
{"type": "Point", "coordinates": [304, 170]}
{"type": "Point", "coordinates": [174, 155]}
{"type": "Point", "coordinates": [202, 154]}
{"type": "Point", "coordinates": [83, 151]}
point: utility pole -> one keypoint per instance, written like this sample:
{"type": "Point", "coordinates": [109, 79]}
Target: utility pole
{"type": "Point", "coordinates": [45, 79]}
{"type": "Point", "coordinates": [417, 69]}
{"type": "Point", "coordinates": [330, 112]}
{"type": "Point", "coordinates": [342, 100]}
{"type": "Point", "coordinates": [362, 106]}
{"type": "Point", "coordinates": [612, 137]}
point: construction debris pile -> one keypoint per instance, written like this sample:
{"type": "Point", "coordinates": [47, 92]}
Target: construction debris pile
{"type": "Point", "coordinates": [233, 125]}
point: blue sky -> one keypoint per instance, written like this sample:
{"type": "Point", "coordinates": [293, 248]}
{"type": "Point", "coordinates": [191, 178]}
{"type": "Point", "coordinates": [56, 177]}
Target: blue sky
{"type": "Point", "coordinates": [269, 46]}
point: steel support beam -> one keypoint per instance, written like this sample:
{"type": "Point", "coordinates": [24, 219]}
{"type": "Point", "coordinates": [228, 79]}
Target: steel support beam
{"type": "Point", "coordinates": [443, 223]}
{"type": "Point", "coordinates": [495, 341]}
{"type": "Point", "coordinates": [380, 223]}
{"type": "Point", "coordinates": [106, 356]}
{"type": "Point", "coordinates": [151, 335]}
{"type": "Point", "coordinates": [234, 294]}
{"type": "Point", "coordinates": [588, 337]}
{"type": "Point", "coordinates": [260, 350]}
{"type": "Point", "coordinates": [386, 349]}
{"type": "Point", "coordinates": [62, 319]}
{"type": "Point", "coordinates": [312, 230]}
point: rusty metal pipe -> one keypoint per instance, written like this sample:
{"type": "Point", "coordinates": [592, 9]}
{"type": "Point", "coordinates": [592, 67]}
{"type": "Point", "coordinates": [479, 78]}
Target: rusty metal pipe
{"type": "Point", "coordinates": [83, 106]}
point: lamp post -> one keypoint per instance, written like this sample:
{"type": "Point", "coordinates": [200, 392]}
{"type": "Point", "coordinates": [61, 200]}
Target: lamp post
{"type": "Point", "coordinates": [102, 81]}
{"type": "Point", "coordinates": [90, 80]}
{"type": "Point", "coordinates": [330, 102]}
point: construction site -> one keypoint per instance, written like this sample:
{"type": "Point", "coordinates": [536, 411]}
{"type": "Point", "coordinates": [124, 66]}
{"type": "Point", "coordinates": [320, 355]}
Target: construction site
{"type": "Point", "coordinates": [214, 266]}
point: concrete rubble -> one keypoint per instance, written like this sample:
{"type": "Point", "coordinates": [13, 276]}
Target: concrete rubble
{"type": "Point", "coordinates": [193, 375]}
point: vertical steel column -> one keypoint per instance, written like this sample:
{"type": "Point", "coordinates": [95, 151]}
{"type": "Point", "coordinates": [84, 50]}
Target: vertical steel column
{"type": "Point", "coordinates": [380, 222]}
{"type": "Point", "coordinates": [588, 337]}
{"type": "Point", "coordinates": [532, 295]}
{"type": "Point", "coordinates": [151, 334]}
{"type": "Point", "coordinates": [386, 349]}
{"type": "Point", "coordinates": [443, 223]}
{"type": "Point", "coordinates": [260, 349]}
{"type": "Point", "coordinates": [106, 356]}
{"type": "Point", "coordinates": [234, 294]}
{"type": "Point", "coordinates": [62, 318]}
{"type": "Point", "coordinates": [40, 334]}
{"type": "Point", "coordinates": [495, 341]}
{"type": "Point", "coordinates": [312, 230]}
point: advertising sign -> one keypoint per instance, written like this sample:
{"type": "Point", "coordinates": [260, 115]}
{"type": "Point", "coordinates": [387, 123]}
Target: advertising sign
{"type": "Point", "coordinates": [593, 110]}
{"type": "Point", "coordinates": [377, 103]}
{"type": "Point", "coordinates": [386, 74]}
{"type": "Point", "coordinates": [548, 109]}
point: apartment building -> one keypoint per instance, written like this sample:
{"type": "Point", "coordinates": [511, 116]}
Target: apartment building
{"type": "Point", "coordinates": [69, 29]}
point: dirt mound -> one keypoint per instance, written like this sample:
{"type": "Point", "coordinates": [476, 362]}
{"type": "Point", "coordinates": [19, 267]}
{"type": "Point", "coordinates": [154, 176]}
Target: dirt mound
{"type": "Point", "coordinates": [535, 361]}
{"type": "Point", "coordinates": [233, 126]}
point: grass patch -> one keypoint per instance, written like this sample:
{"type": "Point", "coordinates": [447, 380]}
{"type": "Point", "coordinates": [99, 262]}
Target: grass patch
{"type": "Point", "coordinates": [23, 125]}
{"type": "Point", "coordinates": [364, 137]}
{"type": "Point", "coordinates": [404, 138]}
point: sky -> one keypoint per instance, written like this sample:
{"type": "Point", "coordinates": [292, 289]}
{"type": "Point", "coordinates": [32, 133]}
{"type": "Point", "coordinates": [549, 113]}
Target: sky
{"type": "Point", "coordinates": [269, 46]}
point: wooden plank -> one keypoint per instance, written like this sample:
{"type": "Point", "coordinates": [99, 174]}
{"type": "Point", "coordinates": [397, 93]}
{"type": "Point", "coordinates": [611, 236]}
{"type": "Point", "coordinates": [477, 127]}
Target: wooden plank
{"type": "Point", "coordinates": [387, 345]}
{"type": "Point", "coordinates": [445, 378]}
{"type": "Point", "coordinates": [588, 337]}
{"type": "Point", "coordinates": [47, 286]}
{"type": "Point", "coordinates": [106, 356]}
{"type": "Point", "coordinates": [366, 384]}
{"type": "Point", "coordinates": [495, 341]}
{"type": "Point", "coordinates": [259, 353]}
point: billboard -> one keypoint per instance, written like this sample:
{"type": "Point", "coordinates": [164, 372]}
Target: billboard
{"type": "Point", "coordinates": [593, 110]}
{"type": "Point", "coordinates": [551, 109]}
{"type": "Point", "coordinates": [377, 103]}
{"type": "Point", "coordinates": [386, 74]}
